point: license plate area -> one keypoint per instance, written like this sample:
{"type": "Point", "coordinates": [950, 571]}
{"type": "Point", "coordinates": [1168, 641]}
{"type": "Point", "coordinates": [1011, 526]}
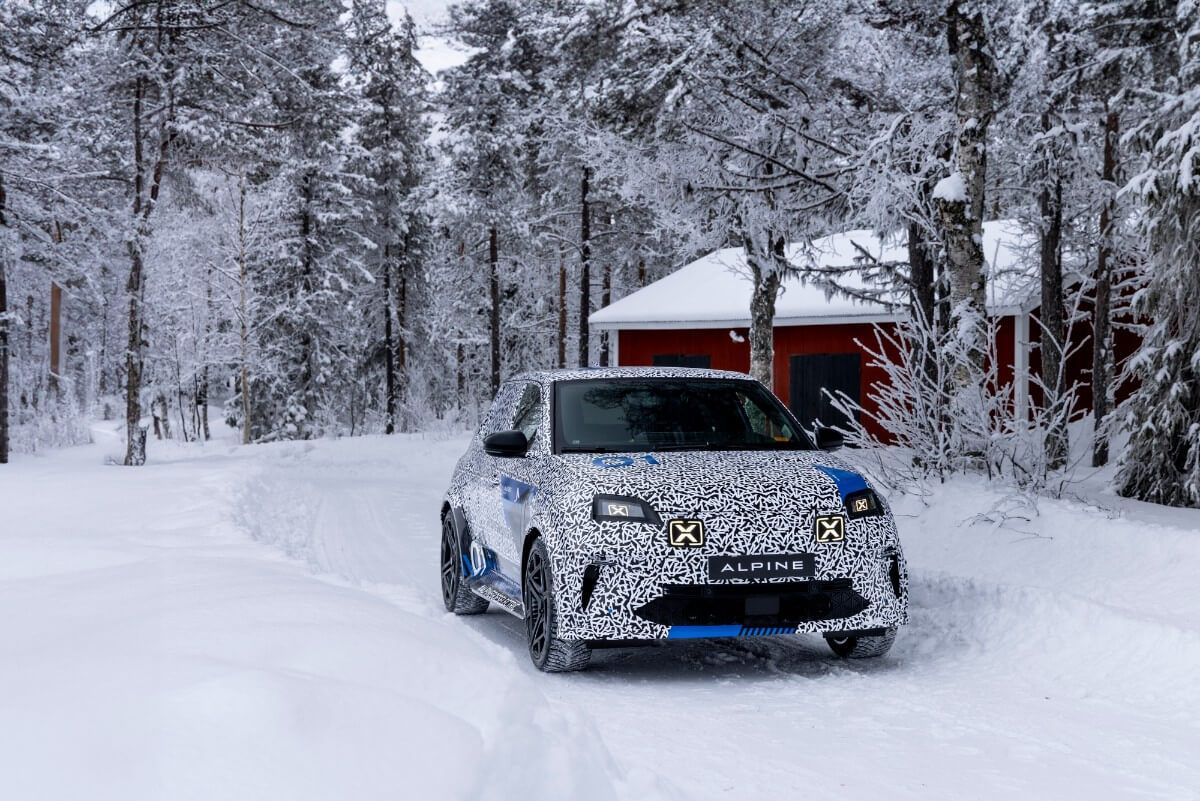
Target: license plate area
{"type": "Point", "coordinates": [764, 566]}
{"type": "Point", "coordinates": [757, 605]}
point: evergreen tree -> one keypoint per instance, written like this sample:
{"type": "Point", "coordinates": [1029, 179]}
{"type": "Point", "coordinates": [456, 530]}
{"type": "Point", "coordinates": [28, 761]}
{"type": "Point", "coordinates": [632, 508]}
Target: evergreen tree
{"type": "Point", "coordinates": [1162, 461]}
{"type": "Point", "coordinates": [391, 134]}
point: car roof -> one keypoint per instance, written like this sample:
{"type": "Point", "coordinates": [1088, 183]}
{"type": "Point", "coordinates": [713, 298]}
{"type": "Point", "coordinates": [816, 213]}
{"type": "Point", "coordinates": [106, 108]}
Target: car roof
{"type": "Point", "coordinates": [585, 373]}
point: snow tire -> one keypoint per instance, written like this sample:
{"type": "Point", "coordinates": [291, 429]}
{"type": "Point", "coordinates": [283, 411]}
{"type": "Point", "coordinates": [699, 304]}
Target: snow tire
{"type": "Point", "coordinates": [862, 647]}
{"type": "Point", "coordinates": [455, 593]}
{"type": "Point", "coordinates": [548, 652]}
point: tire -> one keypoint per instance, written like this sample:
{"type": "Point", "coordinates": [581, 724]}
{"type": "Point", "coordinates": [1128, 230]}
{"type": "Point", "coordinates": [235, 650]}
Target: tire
{"type": "Point", "coordinates": [861, 647]}
{"type": "Point", "coordinates": [549, 653]}
{"type": "Point", "coordinates": [455, 594]}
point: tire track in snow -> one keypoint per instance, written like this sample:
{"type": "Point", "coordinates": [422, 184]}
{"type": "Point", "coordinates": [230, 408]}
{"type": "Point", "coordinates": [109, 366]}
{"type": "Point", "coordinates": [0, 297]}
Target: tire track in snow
{"type": "Point", "coordinates": [352, 522]}
{"type": "Point", "coordinates": [996, 690]}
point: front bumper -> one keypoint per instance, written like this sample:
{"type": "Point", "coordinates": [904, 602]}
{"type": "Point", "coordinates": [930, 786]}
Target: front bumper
{"type": "Point", "coordinates": [621, 602]}
{"type": "Point", "coordinates": [783, 605]}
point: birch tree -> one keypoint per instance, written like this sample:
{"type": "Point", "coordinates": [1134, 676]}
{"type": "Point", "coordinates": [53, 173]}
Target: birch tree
{"type": "Point", "coordinates": [959, 197]}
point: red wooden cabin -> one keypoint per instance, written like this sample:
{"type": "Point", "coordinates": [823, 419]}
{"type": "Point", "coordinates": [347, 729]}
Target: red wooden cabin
{"type": "Point", "coordinates": [699, 316]}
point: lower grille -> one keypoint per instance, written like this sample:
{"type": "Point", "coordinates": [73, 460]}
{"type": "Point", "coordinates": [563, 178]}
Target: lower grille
{"type": "Point", "coordinates": [753, 605]}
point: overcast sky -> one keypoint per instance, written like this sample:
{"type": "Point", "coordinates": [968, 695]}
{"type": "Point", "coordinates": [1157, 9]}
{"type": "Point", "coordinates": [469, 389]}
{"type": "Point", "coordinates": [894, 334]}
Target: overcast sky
{"type": "Point", "coordinates": [423, 11]}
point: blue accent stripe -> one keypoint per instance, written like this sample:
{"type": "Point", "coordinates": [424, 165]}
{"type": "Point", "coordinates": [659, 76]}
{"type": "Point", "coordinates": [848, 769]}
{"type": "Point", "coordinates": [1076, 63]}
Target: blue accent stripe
{"type": "Point", "coordinates": [696, 632]}
{"type": "Point", "coordinates": [847, 482]}
{"type": "Point", "coordinates": [765, 631]}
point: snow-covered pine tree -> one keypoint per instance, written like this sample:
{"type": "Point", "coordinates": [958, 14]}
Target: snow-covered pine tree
{"type": "Point", "coordinates": [1162, 461]}
{"type": "Point", "coordinates": [311, 338]}
{"type": "Point", "coordinates": [52, 230]}
{"type": "Point", "coordinates": [391, 133]}
{"type": "Point", "coordinates": [487, 142]}
{"type": "Point", "coordinates": [1129, 47]}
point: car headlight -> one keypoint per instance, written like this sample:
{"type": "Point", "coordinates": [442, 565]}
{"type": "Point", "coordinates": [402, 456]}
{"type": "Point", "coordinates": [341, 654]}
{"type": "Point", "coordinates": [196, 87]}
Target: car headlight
{"type": "Point", "coordinates": [864, 503]}
{"type": "Point", "coordinates": [623, 509]}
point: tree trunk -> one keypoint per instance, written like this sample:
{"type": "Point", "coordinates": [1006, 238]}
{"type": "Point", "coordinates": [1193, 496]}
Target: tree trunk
{"type": "Point", "coordinates": [923, 299]}
{"type": "Point", "coordinates": [767, 277]}
{"type": "Point", "coordinates": [5, 251]}
{"type": "Point", "coordinates": [161, 410]}
{"type": "Point", "coordinates": [202, 406]}
{"type": "Point", "coordinates": [135, 435]}
{"type": "Point", "coordinates": [494, 313]}
{"type": "Point", "coordinates": [562, 310]}
{"type": "Point", "coordinates": [605, 299]}
{"type": "Point", "coordinates": [402, 345]}
{"type": "Point", "coordinates": [55, 337]}
{"type": "Point", "coordinates": [389, 346]}
{"type": "Point", "coordinates": [460, 377]}
{"type": "Point", "coordinates": [961, 213]}
{"type": "Point", "coordinates": [144, 200]}
{"type": "Point", "coordinates": [922, 273]}
{"type": "Point", "coordinates": [1102, 358]}
{"type": "Point", "coordinates": [585, 267]}
{"type": "Point", "coordinates": [244, 340]}
{"type": "Point", "coordinates": [641, 273]}
{"type": "Point", "coordinates": [308, 349]}
{"type": "Point", "coordinates": [201, 398]}
{"type": "Point", "coordinates": [1053, 326]}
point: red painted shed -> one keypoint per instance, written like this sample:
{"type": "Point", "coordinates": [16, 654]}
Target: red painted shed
{"type": "Point", "coordinates": [699, 316]}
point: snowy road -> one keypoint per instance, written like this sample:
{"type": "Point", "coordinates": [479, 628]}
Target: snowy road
{"type": "Point", "coordinates": [266, 623]}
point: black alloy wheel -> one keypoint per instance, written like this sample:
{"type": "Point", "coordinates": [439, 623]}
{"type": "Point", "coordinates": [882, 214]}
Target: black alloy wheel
{"type": "Point", "coordinates": [537, 611]}
{"type": "Point", "coordinates": [451, 564]}
{"type": "Point", "coordinates": [548, 652]}
{"type": "Point", "coordinates": [456, 595]}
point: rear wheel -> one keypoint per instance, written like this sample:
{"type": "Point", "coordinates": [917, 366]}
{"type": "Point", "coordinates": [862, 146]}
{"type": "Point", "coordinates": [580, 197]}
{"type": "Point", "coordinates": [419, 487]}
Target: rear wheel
{"type": "Point", "coordinates": [861, 646]}
{"type": "Point", "coordinates": [548, 652]}
{"type": "Point", "coordinates": [455, 594]}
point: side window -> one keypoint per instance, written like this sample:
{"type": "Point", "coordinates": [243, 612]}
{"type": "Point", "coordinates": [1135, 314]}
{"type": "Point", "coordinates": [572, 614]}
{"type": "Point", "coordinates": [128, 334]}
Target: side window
{"type": "Point", "coordinates": [499, 416]}
{"type": "Point", "coordinates": [761, 423]}
{"type": "Point", "coordinates": [529, 411]}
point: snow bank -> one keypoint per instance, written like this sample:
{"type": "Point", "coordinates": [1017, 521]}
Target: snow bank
{"type": "Point", "coordinates": [150, 649]}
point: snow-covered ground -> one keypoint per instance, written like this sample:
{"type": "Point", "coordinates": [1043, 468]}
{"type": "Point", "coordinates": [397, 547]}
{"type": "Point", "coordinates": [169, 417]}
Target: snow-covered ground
{"type": "Point", "coordinates": [265, 623]}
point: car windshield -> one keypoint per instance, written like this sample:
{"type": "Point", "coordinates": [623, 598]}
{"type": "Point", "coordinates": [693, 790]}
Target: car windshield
{"type": "Point", "coordinates": [662, 414]}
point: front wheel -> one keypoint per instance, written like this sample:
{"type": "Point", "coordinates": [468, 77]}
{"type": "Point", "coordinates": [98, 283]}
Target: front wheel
{"type": "Point", "coordinates": [861, 646]}
{"type": "Point", "coordinates": [455, 594]}
{"type": "Point", "coordinates": [548, 652]}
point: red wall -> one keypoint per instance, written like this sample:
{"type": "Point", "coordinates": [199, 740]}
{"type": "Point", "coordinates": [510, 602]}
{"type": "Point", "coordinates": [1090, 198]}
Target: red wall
{"type": "Point", "coordinates": [638, 347]}
{"type": "Point", "coordinates": [1079, 361]}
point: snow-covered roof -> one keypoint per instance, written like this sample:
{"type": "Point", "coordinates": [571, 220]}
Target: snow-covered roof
{"type": "Point", "coordinates": [714, 290]}
{"type": "Point", "coordinates": [585, 373]}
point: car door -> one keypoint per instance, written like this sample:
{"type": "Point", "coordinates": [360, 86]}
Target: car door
{"type": "Point", "coordinates": [519, 476]}
{"type": "Point", "coordinates": [481, 497]}
{"type": "Point", "coordinates": [502, 488]}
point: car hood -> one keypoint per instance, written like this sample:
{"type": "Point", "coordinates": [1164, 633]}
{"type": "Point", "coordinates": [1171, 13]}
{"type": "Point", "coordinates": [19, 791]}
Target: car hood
{"type": "Point", "coordinates": [685, 482]}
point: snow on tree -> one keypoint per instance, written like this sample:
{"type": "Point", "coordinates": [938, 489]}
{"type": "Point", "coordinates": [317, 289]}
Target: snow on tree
{"type": "Point", "coordinates": [959, 197]}
{"type": "Point", "coordinates": [391, 132]}
{"type": "Point", "coordinates": [1162, 461]}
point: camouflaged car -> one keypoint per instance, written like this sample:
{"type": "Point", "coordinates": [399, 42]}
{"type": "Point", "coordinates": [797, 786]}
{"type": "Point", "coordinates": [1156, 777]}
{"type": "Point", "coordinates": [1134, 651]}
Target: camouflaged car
{"type": "Point", "coordinates": [616, 505]}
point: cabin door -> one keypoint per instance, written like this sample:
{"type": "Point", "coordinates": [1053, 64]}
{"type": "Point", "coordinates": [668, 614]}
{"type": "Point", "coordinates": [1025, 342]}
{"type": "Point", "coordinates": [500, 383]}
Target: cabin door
{"type": "Point", "coordinates": [812, 376]}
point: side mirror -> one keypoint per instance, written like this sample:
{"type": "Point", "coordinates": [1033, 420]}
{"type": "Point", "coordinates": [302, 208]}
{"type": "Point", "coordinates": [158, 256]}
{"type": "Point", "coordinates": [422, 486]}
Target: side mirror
{"type": "Point", "coordinates": [828, 439]}
{"type": "Point", "coordinates": [506, 444]}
